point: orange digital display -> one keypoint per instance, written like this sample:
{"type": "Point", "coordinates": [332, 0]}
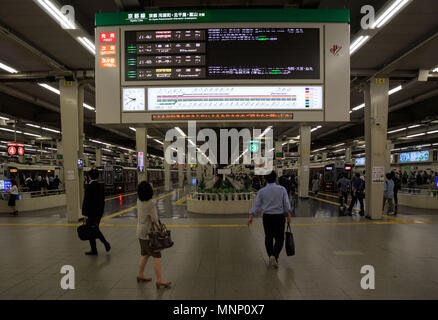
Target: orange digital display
{"type": "Point", "coordinates": [108, 62]}
{"type": "Point", "coordinates": [225, 116]}
{"type": "Point", "coordinates": [106, 50]}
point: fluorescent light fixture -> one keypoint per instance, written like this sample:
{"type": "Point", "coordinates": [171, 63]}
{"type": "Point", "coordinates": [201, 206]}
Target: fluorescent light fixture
{"type": "Point", "coordinates": [96, 141]}
{"type": "Point", "coordinates": [435, 70]}
{"type": "Point", "coordinates": [414, 126]}
{"type": "Point", "coordinates": [338, 145]}
{"type": "Point", "coordinates": [358, 43]}
{"type": "Point", "coordinates": [423, 145]}
{"type": "Point", "coordinates": [32, 125]}
{"type": "Point", "coordinates": [394, 90]}
{"type": "Point", "coordinates": [45, 85]}
{"type": "Point", "coordinates": [87, 44]}
{"type": "Point", "coordinates": [133, 129]}
{"type": "Point", "coordinates": [359, 107]}
{"type": "Point", "coordinates": [107, 150]}
{"type": "Point", "coordinates": [180, 131]}
{"type": "Point", "coordinates": [7, 68]}
{"type": "Point", "coordinates": [4, 118]}
{"type": "Point", "coordinates": [266, 131]}
{"type": "Point", "coordinates": [316, 128]}
{"type": "Point", "coordinates": [51, 130]}
{"type": "Point", "coordinates": [6, 129]}
{"type": "Point", "coordinates": [284, 143]}
{"type": "Point", "coordinates": [396, 6]}
{"type": "Point", "coordinates": [416, 135]}
{"type": "Point", "coordinates": [31, 134]}
{"type": "Point", "coordinates": [88, 107]}
{"type": "Point", "coordinates": [432, 132]}
{"type": "Point", "coordinates": [339, 150]}
{"type": "Point", "coordinates": [319, 149]}
{"type": "Point", "coordinates": [56, 14]}
{"type": "Point", "coordinates": [396, 130]}
{"type": "Point", "coordinates": [158, 141]}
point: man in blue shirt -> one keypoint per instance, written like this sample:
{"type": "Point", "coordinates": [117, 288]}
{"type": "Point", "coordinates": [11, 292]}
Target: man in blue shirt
{"type": "Point", "coordinates": [273, 201]}
{"type": "Point", "coordinates": [358, 194]}
{"type": "Point", "coordinates": [344, 185]}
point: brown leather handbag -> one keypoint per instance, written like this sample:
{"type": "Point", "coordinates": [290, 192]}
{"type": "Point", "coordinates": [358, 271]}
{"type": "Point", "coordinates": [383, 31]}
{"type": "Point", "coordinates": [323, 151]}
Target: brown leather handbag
{"type": "Point", "coordinates": [160, 238]}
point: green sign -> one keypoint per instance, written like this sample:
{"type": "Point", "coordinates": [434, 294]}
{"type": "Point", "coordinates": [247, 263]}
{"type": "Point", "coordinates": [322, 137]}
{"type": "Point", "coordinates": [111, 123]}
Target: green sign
{"type": "Point", "coordinates": [254, 147]}
{"type": "Point", "coordinates": [59, 156]}
{"type": "Point", "coordinates": [222, 15]}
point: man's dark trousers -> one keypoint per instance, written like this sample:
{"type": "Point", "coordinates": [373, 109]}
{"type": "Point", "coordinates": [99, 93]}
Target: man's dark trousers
{"type": "Point", "coordinates": [274, 229]}
{"type": "Point", "coordinates": [99, 234]}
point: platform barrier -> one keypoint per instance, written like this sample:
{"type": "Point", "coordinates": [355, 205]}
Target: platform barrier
{"type": "Point", "coordinates": [36, 200]}
{"type": "Point", "coordinates": [418, 198]}
{"type": "Point", "coordinates": [220, 203]}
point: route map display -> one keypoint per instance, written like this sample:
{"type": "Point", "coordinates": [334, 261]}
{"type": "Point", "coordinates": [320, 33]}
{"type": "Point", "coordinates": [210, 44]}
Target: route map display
{"type": "Point", "coordinates": [416, 156]}
{"type": "Point", "coordinates": [223, 53]}
{"type": "Point", "coordinates": [235, 98]}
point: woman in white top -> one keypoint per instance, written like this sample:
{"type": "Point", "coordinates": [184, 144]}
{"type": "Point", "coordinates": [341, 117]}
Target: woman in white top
{"type": "Point", "coordinates": [147, 217]}
{"type": "Point", "coordinates": [315, 185]}
{"type": "Point", "coordinates": [13, 192]}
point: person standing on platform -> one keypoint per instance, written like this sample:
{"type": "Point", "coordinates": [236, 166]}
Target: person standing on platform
{"type": "Point", "coordinates": [92, 209]}
{"type": "Point", "coordinates": [344, 186]}
{"type": "Point", "coordinates": [12, 197]}
{"type": "Point", "coordinates": [388, 194]}
{"type": "Point", "coordinates": [273, 201]}
{"type": "Point", "coordinates": [285, 182]}
{"type": "Point", "coordinates": [358, 189]}
{"type": "Point", "coordinates": [397, 186]}
{"type": "Point", "coordinates": [147, 217]}
{"type": "Point", "coordinates": [315, 185]}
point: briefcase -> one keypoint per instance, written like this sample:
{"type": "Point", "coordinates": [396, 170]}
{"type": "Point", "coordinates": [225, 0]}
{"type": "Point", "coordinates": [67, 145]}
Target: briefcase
{"type": "Point", "coordinates": [86, 231]}
{"type": "Point", "coordinates": [290, 244]}
{"type": "Point", "coordinates": [160, 239]}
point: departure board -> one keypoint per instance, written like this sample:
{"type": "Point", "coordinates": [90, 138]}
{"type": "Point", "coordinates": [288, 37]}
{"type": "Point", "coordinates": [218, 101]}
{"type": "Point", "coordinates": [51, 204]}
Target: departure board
{"type": "Point", "coordinates": [223, 53]}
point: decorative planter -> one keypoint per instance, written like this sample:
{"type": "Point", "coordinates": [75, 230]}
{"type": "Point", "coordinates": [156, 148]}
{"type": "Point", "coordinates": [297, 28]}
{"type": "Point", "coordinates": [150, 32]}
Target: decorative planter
{"type": "Point", "coordinates": [220, 203]}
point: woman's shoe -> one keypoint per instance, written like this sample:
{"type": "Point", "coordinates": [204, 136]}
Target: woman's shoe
{"type": "Point", "coordinates": [143, 279]}
{"type": "Point", "coordinates": [162, 284]}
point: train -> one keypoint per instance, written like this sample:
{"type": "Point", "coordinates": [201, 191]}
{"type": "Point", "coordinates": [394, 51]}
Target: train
{"type": "Point", "coordinates": [116, 179]}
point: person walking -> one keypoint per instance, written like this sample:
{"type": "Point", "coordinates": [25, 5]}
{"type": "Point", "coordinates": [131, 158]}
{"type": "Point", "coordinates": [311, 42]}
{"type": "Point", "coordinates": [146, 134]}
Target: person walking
{"type": "Point", "coordinates": [315, 185]}
{"type": "Point", "coordinates": [388, 194]}
{"type": "Point", "coordinates": [284, 181]}
{"type": "Point", "coordinates": [92, 209]}
{"type": "Point", "coordinates": [12, 197]}
{"type": "Point", "coordinates": [147, 218]}
{"type": "Point", "coordinates": [358, 189]}
{"type": "Point", "coordinates": [344, 186]}
{"type": "Point", "coordinates": [273, 201]}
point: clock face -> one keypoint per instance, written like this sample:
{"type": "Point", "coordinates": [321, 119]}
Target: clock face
{"type": "Point", "coordinates": [134, 99]}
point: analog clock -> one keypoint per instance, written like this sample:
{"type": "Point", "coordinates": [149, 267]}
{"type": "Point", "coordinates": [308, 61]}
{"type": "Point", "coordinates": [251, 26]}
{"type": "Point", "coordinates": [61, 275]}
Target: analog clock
{"type": "Point", "coordinates": [134, 99]}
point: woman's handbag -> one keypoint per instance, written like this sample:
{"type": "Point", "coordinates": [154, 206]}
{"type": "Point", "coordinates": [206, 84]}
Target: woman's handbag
{"type": "Point", "coordinates": [160, 239]}
{"type": "Point", "coordinates": [290, 244]}
{"type": "Point", "coordinates": [86, 231]}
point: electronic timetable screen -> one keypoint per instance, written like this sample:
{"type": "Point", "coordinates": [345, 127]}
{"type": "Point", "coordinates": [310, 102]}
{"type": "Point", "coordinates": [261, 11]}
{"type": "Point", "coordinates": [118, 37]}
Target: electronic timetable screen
{"type": "Point", "coordinates": [223, 53]}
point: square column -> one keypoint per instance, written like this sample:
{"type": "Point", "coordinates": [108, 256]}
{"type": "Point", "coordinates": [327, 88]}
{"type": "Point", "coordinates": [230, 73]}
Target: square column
{"type": "Point", "coordinates": [98, 162]}
{"type": "Point", "coordinates": [70, 125]}
{"type": "Point", "coordinates": [303, 179]}
{"type": "Point", "coordinates": [180, 175]}
{"type": "Point", "coordinates": [389, 147]}
{"type": "Point", "coordinates": [167, 185]}
{"type": "Point", "coordinates": [348, 154]}
{"type": "Point", "coordinates": [376, 122]}
{"type": "Point", "coordinates": [141, 146]}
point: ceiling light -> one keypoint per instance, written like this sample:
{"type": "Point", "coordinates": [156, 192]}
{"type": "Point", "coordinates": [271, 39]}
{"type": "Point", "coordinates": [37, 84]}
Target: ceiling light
{"type": "Point", "coordinates": [133, 129]}
{"type": "Point", "coordinates": [51, 130]}
{"type": "Point", "coordinates": [88, 107]}
{"type": "Point", "coordinates": [396, 130]}
{"type": "Point", "coordinates": [358, 107]}
{"type": "Point", "coordinates": [32, 125]}
{"type": "Point", "coordinates": [394, 90]}
{"type": "Point", "coordinates": [54, 90]}
{"type": "Point", "coordinates": [87, 44]}
{"type": "Point", "coordinates": [52, 10]}
{"type": "Point", "coordinates": [156, 140]}
{"type": "Point", "coordinates": [435, 70]}
{"type": "Point", "coordinates": [423, 145]}
{"type": "Point", "coordinates": [414, 126]}
{"type": "Point", "coordinates": [340, 144]}
{"type": "Point", "coordinates": [9, 130]}
{"type": "Point", "coordinates": [416, 135]}
{"type": "Point", "coordinates": [31, 134]}
{"type": "Point", "coordinates": [316, 128]}
{"type": "Point", "coordinates": [389, 13]}
{"type": "Point", "coordinates": [319, 149]}
{"type": "Point", "coordinates": [7, 68]}
{"type": "Point", "coordinates": [266, 131]}
{"type": "Point", "coordinates": [180, 131]}
{"type": "Point", "coordinates": [432, 132]}
{"type": "Point", "coordinates": [96, 141]}
{"type": "Point", "coordinates": [339, 150]}
{"type": "Point", "coordinates": [358, 43]}
{"type": "Point", "coordinates": [3, 118]}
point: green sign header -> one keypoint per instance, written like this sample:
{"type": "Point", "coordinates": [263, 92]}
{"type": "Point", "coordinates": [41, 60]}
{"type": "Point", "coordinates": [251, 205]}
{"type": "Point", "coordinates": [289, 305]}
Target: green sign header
{"type": "Point", "coordinates": [222, 15]}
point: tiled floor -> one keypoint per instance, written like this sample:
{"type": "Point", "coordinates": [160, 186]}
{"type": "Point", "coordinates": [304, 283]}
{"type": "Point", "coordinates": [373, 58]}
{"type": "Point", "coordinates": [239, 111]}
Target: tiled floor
{"type": "Point", "coordinates": [227, 262]}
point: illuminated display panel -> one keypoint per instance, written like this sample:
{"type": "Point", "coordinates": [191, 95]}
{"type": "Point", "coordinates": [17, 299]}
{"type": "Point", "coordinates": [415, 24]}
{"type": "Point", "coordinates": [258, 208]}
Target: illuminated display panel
{"type": "Point", "coordinates": [283, 98]}
{"type": "Point", "coordinates": [416, 156]}
{"type": "Point", "coordinates": [359, 161]}
{"type": "Point", "coordinates": [221, 116]}
{"type": "Point", "coordinates": [223, 53]}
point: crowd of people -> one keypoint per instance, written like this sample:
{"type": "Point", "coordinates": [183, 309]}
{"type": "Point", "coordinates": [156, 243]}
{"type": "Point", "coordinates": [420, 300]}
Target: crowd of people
{"type": "Point", "coordinates": [41, 183]}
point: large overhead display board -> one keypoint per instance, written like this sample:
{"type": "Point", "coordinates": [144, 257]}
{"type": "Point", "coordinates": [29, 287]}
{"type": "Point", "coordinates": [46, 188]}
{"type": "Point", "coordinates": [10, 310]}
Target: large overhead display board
{"type": "Point", "coordinates": [277, 64]}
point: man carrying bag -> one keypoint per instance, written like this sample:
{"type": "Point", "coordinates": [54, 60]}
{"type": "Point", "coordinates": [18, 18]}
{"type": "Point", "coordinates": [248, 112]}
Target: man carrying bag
{"type": "Point", "coordinates": [92, 210]}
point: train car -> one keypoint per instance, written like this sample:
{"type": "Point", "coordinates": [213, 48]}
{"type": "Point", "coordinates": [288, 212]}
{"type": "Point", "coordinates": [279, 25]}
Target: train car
{"type": "Point", "coordinates": [20, 172]}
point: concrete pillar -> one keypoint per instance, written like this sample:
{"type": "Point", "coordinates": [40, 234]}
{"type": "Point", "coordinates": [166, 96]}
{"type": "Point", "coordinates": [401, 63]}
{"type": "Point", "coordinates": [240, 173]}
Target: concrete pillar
{"type": "Point", "coordinates": [98, 162]}
{"type": "Point", "coordinates": [69, 101]}
{"type": "Point", "coordinates": [141, 142]}
{"type": "Point", "coordinates": [376, 121]}
{"type": "Point", "coordinates": [188, 169]}
{"type": "Point", "coordinates": [198, 172]}
{"type": "Point", "coordinates": [21, 159]}
{"type": "Point", "coordinates": [130, 160]}
{"type": "Point", "coordinates": [122, 158]}
{"type": "Point", "coordinates": [303, 187]}
{"type": "Point", "coordinates": [389, 146]}
{"type": "Point", "coordinates": [167, 185]}
{"type": "Point", "coordinates": [324, 156]}
{"type": "Point", "coordinates": [348, 154]}
{"type": "Point", "coordinates": [81, 142]}
{"type": "Point", "coordinates": [180, 175]}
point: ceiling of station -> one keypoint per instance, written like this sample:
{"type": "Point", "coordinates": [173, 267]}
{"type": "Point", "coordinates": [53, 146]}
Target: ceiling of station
{"type": "Point", "coordinates": [412, 35]}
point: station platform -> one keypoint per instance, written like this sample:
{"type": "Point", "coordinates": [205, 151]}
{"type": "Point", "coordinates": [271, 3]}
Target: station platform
{"type": "Point", "coordinates": [220, 257]}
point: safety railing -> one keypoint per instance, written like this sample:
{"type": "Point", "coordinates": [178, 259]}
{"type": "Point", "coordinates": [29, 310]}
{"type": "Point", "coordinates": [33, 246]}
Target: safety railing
{"type": "Point", "coordinates": [433, 192]}
{"type": "Point", "coordinates": [222, 196]}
